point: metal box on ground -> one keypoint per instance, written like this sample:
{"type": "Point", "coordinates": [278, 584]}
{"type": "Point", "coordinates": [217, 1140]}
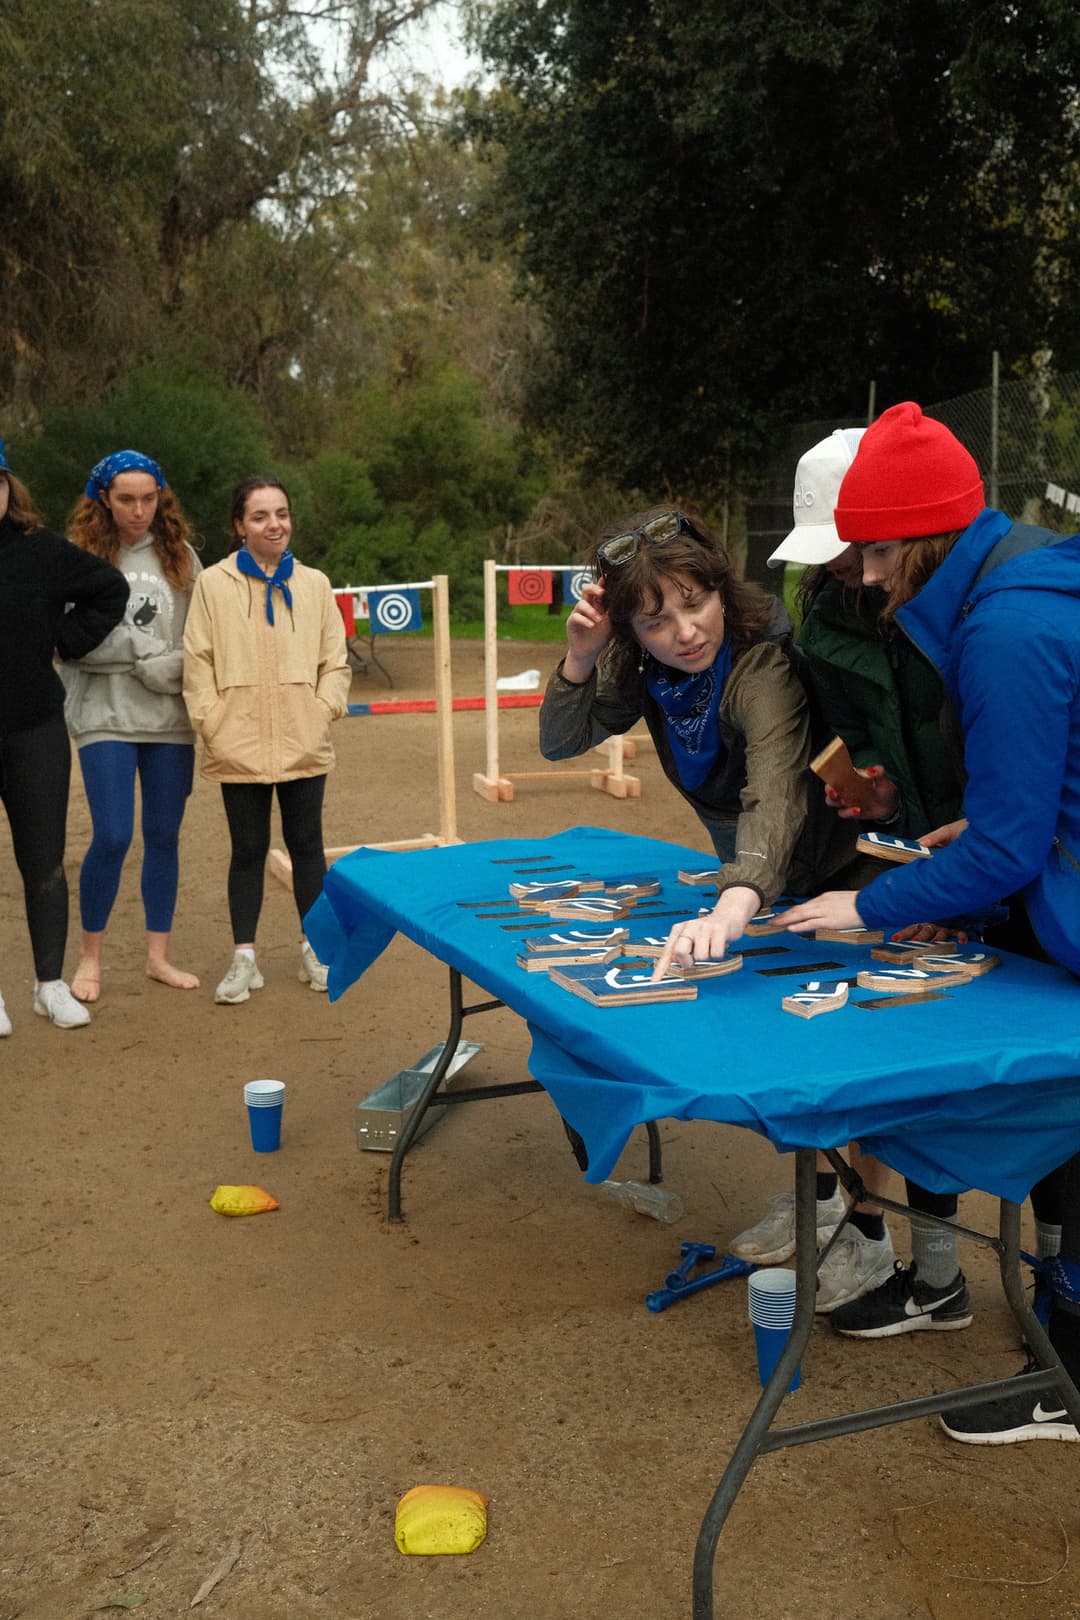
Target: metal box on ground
{"type": "Point", "coordinates": [382, 1116]}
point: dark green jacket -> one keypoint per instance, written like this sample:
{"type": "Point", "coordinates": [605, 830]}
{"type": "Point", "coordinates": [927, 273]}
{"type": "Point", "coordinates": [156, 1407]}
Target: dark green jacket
{"type": "Point", "coordinates": [888, 704]}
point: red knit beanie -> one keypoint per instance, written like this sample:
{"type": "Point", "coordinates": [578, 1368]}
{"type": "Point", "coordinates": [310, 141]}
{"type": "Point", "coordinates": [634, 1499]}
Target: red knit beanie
{"type": "Point", "coordinates": [910, 477]}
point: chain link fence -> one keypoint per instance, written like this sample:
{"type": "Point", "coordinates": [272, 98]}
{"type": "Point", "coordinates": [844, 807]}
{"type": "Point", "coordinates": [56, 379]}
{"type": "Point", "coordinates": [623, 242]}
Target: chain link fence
{"type": "Point", "coordinates": [1025, 437]}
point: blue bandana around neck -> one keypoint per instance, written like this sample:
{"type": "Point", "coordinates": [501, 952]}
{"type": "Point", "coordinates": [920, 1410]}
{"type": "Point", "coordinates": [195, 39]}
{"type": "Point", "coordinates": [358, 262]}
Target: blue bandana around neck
{"type": "Point", "coordinates": [102, 475]}
{"type": "Point", "coordinates": [247, 565]}
{"type": "Point", "coordinates": [691, 709]}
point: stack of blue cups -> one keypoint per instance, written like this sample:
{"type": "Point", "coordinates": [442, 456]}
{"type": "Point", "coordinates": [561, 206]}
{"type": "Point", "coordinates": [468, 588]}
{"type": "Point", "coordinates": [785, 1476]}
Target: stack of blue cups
{"type": "Point", "coordinates": [265, 1100]}
{"type": "Point", "coordinates": [772, 1309]}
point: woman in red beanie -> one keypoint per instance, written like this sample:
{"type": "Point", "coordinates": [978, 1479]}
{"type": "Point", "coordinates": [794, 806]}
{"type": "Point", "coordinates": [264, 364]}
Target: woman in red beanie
{"type": "Point", "coordinates": [995, 607]}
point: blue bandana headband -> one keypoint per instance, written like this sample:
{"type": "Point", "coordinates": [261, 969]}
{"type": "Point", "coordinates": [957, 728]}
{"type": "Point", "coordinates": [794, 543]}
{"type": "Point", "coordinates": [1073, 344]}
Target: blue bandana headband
{"type": "Point", "coordinates": [120, 461]}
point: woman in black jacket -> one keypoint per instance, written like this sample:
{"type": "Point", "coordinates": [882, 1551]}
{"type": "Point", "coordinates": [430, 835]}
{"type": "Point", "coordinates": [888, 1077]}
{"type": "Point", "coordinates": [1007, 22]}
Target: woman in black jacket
{"type": "Point", "coordinates": [54, 599]}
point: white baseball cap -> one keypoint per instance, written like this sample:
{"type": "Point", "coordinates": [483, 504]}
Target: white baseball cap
{"type": "Point", "coordinates": [817, 484]}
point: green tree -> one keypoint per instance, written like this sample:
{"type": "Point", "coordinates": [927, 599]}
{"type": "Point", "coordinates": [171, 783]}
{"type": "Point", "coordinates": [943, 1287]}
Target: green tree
{"type": "Point", "coordinates": [426, 482]}
{"type": "Point", "coordinates": [732, 214]}
{"type": "Point", "coordinates": [137, 136]}
{"type": "Point", "coordinates": [206, 436]}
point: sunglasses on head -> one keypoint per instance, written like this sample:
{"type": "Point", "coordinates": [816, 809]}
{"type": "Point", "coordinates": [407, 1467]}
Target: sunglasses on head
{"type": "Point", "coordinates": [657, 532]}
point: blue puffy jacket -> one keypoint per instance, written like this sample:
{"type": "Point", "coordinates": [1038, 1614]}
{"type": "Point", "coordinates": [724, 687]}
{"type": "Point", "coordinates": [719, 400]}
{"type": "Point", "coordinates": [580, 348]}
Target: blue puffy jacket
{"type": "Point", "coordinates": [1000, 620]}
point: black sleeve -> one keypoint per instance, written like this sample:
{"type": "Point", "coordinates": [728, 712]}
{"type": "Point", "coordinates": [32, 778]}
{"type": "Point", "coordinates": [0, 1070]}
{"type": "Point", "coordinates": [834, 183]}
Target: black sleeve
{"type": "Point", "coordinates": [93, 594]}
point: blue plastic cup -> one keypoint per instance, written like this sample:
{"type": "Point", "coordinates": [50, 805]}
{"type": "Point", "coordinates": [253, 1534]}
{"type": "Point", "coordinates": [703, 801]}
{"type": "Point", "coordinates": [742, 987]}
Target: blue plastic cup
{"type": "Point", "coordinates": [265, 1100]}
{"type": "Point", "coordinates": [771, 1292]}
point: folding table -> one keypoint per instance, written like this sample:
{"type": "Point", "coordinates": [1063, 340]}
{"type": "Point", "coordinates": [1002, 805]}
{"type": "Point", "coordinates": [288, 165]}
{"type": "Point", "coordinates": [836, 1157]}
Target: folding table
{"type": "Point", "coordinates": [975, 1089]}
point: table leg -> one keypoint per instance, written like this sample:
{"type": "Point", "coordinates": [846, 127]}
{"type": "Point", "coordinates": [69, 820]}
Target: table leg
{"type": "Point", "coordinates": [750, 1446]}
{"type": "Point", "coordinates": [1034, 1333]}
{"type": "Point", "coordinates": [656, 1169]}
{"type": "Point", "coordinates": [430, 1097]}
{"type": "Point", "coordinates": [423, 1102]}
{"type": "Point", "coordinates": [759, 1438]}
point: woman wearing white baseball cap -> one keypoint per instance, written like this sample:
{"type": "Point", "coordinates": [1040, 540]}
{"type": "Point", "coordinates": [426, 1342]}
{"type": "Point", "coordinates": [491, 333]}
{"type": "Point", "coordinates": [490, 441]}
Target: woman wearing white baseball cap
{"type": "Point", "coordinates": [887, 704]}
{"type": "Point", "coordinates": [814, 540]}
{"type": "Point", "coordinates": [872, 689]}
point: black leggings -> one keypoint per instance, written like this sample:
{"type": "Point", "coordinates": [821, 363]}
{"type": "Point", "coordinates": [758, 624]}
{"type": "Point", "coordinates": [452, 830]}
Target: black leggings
{"type": "Point", "coordinates": [1059, 1191]}
{"type": "Point", "coordinates": [247, 807]}
{"type": "Point", "coordinates": [35, 770]}
{"type": "Point", "coordinates": [1048, 1197]}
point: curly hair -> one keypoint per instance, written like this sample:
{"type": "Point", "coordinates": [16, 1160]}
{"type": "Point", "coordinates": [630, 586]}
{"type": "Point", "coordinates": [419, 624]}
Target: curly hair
{"type": "Point", "coordinates": [20, 508]}
{"type": "Point", "coordinates": [92, 527]}
{"type": "Point", "coordinates": [637, 585]}
{"type": "Point", "coordinates": [917, 561]}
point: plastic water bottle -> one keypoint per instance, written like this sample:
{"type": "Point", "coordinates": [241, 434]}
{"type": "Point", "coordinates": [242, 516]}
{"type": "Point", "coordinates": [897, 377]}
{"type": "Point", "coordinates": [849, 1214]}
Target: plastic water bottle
{"type": "Point", "coordinates": [646, 1199]}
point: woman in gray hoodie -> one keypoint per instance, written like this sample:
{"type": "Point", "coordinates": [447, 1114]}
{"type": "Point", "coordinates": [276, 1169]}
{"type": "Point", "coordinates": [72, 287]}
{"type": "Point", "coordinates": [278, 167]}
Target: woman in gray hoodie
{"type": "Point", "coordinates": [126, 711]}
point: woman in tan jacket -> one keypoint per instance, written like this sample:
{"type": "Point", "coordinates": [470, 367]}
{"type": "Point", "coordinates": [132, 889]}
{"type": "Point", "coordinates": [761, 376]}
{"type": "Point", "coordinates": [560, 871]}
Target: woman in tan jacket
{"type": "Point", "coordinates": [265, 673]}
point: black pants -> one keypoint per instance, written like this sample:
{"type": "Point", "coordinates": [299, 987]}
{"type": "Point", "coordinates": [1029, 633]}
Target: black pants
{"type": "Point", "coordinates": [1051, 1197]}
{"type": "Point", "coordinates": [247, 807]}
{"type": "Point", "coordinates": [35, 770]}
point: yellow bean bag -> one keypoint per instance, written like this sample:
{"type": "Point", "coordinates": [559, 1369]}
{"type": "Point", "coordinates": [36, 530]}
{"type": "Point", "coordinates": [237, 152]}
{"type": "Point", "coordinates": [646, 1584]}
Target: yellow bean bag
{"type": "Point", "coordinates": [242, 1201]}
{"type": "Point", "coordinates": [440, 1519]}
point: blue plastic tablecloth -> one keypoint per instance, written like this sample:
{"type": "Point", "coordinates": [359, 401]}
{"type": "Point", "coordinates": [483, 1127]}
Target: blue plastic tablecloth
{"type": "Point", "coordinates": [977, 1090]}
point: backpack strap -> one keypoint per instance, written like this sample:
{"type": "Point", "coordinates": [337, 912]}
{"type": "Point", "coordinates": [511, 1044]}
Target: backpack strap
{"type": "Point", "coordinates": [1020, 538]}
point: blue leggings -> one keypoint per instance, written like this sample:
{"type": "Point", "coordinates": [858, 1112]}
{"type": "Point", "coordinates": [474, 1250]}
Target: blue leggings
{"type": "Point", "coordinates": [165, 776]}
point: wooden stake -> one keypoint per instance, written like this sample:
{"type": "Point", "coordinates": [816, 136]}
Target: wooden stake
{"type": "Point", "coordinates": [440, 613]}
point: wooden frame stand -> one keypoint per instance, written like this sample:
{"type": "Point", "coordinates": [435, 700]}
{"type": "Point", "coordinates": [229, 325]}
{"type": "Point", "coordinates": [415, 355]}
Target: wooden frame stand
{"type": "Point", "coordinates": [278, 859]}
{"type": "Point", "coordinates": [496, 786]}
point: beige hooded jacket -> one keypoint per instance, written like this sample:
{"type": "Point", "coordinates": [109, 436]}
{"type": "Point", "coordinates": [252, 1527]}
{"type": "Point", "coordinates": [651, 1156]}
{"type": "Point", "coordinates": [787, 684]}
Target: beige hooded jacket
{"type": "Point", "coordinates": [261, 696]}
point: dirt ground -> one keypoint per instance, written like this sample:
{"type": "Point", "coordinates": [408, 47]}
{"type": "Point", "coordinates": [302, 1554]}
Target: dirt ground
{"type": "Point", "coordinates": [175, 1384]}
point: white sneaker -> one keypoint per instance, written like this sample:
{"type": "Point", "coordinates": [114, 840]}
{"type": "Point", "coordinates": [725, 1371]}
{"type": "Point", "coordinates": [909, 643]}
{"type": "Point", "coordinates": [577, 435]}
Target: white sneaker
{"type": "Point", "coordinates": [773, 1238]}
{"type": "Point", "coordinates": [855, 1266]}
{"type": "Point", "coordinates": [312, 971]}
{"type": "Point", "coordinates": [242, 978]}
{"type": "Point", "coordinates": [5, 1021]}
{"type": "Point", "coordinates": [54, 1000]}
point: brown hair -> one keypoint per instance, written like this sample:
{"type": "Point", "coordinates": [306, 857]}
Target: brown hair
{"type": "Point", "coordinates": [813, 581]}
{"type": "Point", "coordinates": [917, 561]}
{"type": "Point", "coordinates": [637, 585]}
{"type": "Point", "coordinates": [93, 528]}
{"type": "Point", "coordinates": [20, 508]}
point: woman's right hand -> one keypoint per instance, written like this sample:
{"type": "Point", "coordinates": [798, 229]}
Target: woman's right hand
{"type": "Point", "coordinates": [588, 631]}
{"type": "Point", "coordinates": [943, 835]}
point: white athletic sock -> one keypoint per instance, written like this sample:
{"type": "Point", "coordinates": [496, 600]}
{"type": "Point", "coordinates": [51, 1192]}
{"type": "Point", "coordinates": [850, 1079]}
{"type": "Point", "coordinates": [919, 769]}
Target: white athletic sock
{"type": "Point", "coordinates": [1047, 1240]}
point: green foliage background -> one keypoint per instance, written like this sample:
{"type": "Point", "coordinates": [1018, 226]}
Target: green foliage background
{"type": "Point", "coordinates": [493, 322]}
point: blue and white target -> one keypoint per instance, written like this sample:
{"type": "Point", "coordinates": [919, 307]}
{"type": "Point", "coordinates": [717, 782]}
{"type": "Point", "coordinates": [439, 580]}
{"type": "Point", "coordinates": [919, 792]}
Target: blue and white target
{"type": "Point", "coordinates": [575, 581]}
{"type": "Point", "coordinates": [391, 611]}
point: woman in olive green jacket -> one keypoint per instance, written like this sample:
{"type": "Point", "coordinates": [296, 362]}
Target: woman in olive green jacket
{"type": "Point", "coordinates": [669, 634]}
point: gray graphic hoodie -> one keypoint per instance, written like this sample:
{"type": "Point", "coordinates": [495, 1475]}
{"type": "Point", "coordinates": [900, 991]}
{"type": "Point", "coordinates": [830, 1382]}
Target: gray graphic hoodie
{"type": "Point", "coordinates": [129, 688]}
